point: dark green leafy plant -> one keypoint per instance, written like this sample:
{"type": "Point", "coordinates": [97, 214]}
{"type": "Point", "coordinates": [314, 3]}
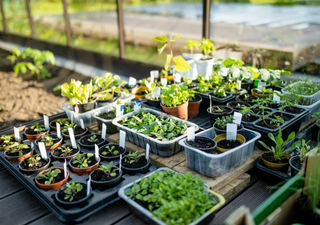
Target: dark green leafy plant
{"type": "Point", "coordinates": [82, 160]}
{"type": "Point", "coordinates": [65, 150]}
{"type": "Point", "coordinates": [19, 148]}
{"type": "Point", "coordinates": [93, 138]}
{"type": "Point", "coordinates": [174, 95]}
{"type": "Point", "coordinates": [38, 128]}
{"type": "Point", "coordinates": [246, 110]}
{"type": "Point", "coordinates": [109, 149]}
{"type": "Point", "coordinates": [108, 170]}
{"type": "Point", "coordinates": [132, 157]}
{"type": "Point", "coordinates": [49, 176]}
{"type": "Point", "coordinates": [223, 121]}
{"type": "Point", "coordinates": [72, 190]}
{"type": "Point", "coordinates": [34, 161]}
{"type": "Point", "coordinates": [48, 140]}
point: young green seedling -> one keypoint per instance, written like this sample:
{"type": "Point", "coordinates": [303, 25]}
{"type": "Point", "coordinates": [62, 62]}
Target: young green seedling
{"type": "Point", "coordinates": [246, 110]}
{"type": "Point", "coordinates": [72, 190]}
{"type": "Point", "coordinates": [34, 161]}
{"type": "Point", "coordinates": [192, 44]}
{"type": "Point", "coordinates": [38, 128]}
{"type": "Point", "coordinates": [303, 150]}
{"type": "Point", "coordinates": [82, 160]}
{"type": "Point", "coordinates": [7, 139]}
{"type": "Point", "coordinates": [110, 150]}
{"type": "Point", "coordinates": [133, 157]}
{"type": "Point", "coordinates": [19, 148]}
{"type": "Point", "coordinates": [93, 138]}
{"type": "Point", "coordinates": [222, 122]}
{"type": "Point", "coordinates": [108, 170]}
{"type": "Point", "coordinates": [48, 140]}
{"type": "Point", "coordinates": [49, 176]}
{"type": "Point", "coordinates": [65, 151]}
{"type": "Point", "coordinates": [278, 121]}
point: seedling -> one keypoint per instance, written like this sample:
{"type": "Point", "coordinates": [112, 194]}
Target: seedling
{"type": "Point", "coordinates": [65, 151]}
{"type": "Point", "coordinates": [82, 160]}
{"type": "Point", "coordinates": [278, 121]}
{"type": "Point", "coordinates": [201, 78]}
{"type": "Point", "coordinates": [34, 161]}
{"type": "Point", "coordinates": [93, 138]}
{"type": "Point", "coordinates": [246, 110]}
{"type": "Point", "coordinates": [110, 149]}
{"type": "Point", "coordinates": [72, 190]}
{"type": "Point", "coordinates": [108, 170]}
{"type": "Point", "coordinates": [207, 47]}
{"type": "Point", "coordinates": [19, 148]}
{"type": "Point", "coordinates": [215, 80]}
{"type": "Point", "coordinates": [133, 157]}
{"type": "Point", "coordinates": [220, 92]}
{"type": "Point", "coordinates": [48, 140]}
{"type": "Point", "coordinates": [316, 114]}
{"type": "Point", "coordinates": [192, 44]}
{"type": "Point", "coordinates": [6, 139]}
{"type": "Point", "coordinates": [306, 87]}
{"type": "Point", "coordinates": [218, 110]}
{"type": "Point", "coordinates": [222, 122]}
{"type": "Point", "coordinates": [231, 87]}
{"type": "Point", "coordinates": [204, 88]}
{"type": "Point", "coordinates": [38, 128]}
{"type": "Point", "coordinates": [174, 95]}
{"type": "Point", "coordinates": [49, 176]}
{"type": "Point", "coordinates": [191, 94]}
{"type": "Point", "coordinates": [67, 126]}
{"type": "Point", "coordinates": [63, 122]}
{"type": "Point", "coordinates": [303, 150]}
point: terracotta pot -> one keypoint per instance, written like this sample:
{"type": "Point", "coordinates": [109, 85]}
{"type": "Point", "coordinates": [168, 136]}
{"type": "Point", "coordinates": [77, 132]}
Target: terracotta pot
{"type": "Point", "coordinates": [18, 158]}
{"type": "Point", "coordinates": [193, 108]}
{"type": "Point", "coordinates": [254, 93]}
{"type": "Point", "coordinates": [49, 147]}
{"type": "Point", "coordinates": [180, 111]}
{"type": "Point", "coordinates": [221, 137]}
{"type": "Point", "coordinates": [276, 166]}
{"type": "Point", "coordinates": [54, 121]}
{"type": "Point", "coordinates": [140, 89]}
{"type": "Point", "coordinates": [9, 146]}
{"type": "Point", "coordinates": [32, 137]}
{"type": "Point", "coordinates": [81, 171]}
{"type": "Point", "coordinates": [54, 186]}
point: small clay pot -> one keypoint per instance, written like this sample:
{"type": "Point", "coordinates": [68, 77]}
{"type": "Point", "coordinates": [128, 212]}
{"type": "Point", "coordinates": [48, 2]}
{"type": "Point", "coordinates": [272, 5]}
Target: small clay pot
{"type": "Point", "coordinates": [18, 158]}
{"type": "Point", "coordinates": [54, 186]}
{"type": "Point", "coordinates": [221, 137]}
{"type": "Point", "coordinates": [140, 89]}
{"type": "Point", "coordinates": [180, 111]}
{"type": "Point", "coordinates": [32, 137]}
{"type": "Point", "coordinates": [81, 171]}
{"type": "Point", "coordinates": [193, 107]}
{"type": "Point", "coordinates": [49, 147]}
{"type": "Point", "coordinates": [54, 121]}
{"type": "Point", "coordinates": [275, 166]}
{"type": "Point", "coordinates": [9, 146]}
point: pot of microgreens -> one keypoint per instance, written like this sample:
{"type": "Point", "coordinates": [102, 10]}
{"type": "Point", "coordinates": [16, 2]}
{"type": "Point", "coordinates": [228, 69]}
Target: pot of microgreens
{"type": "Point", "coordinates": [224, 145]}
{"type": "Point", "coordinates": [220, 126]}
{"type": "Point", "coordinates": [63, 122]}
{"type": "Point", "coordinates": [218, 111]}
{"type": "Point", "coordinates": [88, 141]}
{"type": "Point", "coordinates": [35, 131]}
{"type": "Point", "coordinates": [106, 176]}
{"type": "Point", "coordinates": [34, 164]}
{"type": "Point", "coordinates": [50, 141]}
{"type": "Point", "coordinates": [248, 116]}
{"type": "Point", "coordinates": [72, 195]}
{"type": "Point", "coordinates": [18, 152]}
{"type": "Point", "coordinates": [84, 163]}
{"type": "Point", "coordinates": [64, 152]}
{"type": "Point", "coordinates": [277, 158]}
{"type": "Point", "coordinates": [296, 161]}
{"type": "Point", "coordinates": [237, 105]}
{"type": "Point", "coordinates": [111, 152]}
{"type": "Point", "coordinates": [52, 178]}
{"type": "Point", "coordinates": [205, 64]}
{"type": "Point", "coordinates": [189, 46]}
{"type": "Point", "coordinates": [8, 141]}
{"type": "Point", "coordinates": [194, 104]}
{"type": "Point", "coordinates": [134, 162]}
{"type": "Point", "coordinates": [202, 143]}
{"type": "Point", "coordinates": [174, 100]}
{"type": "Point", "coordinates": [151, 99]}
{"type": "Point", "coordinates": [77, 130]}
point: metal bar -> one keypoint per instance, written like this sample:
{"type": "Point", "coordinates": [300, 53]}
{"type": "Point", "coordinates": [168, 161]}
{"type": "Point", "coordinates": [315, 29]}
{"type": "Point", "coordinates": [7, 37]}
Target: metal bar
{"type": "Point", "coordinates": [67, 22]}
{"type": "Point", "coordinates": [206, 19]}
{"type": "Point", "coordinates": [4, 21]}
{"type": "Point", "coordinates": [30, 18]}
{"type": "Point", "coordinates": [120, 29]}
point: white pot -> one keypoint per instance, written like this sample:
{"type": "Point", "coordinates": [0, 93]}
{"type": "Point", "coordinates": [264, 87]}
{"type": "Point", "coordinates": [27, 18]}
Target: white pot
{"type": "Point", "coordinates": [234, 54]}
{"type": "Point", "coordinates": [195, 56]}
{"type": "Point", "coordinates": [205, 67]}
{"type": "Point", "coordinates": [220, 54]}
{"type": "Point", "coordinates": [192, 73]}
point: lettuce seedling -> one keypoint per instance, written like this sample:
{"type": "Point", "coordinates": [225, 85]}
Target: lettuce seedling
{"type": "Point", "coordinates": [72, 190]}
{"type": "Point", "coordinates": [49, 175]}
{"type": "Point", "coordinates": [108, 170]}
{"type": "Point", "coordinates": [19, 148]}
{"type": "Point", "coordinates": [93, 138]}
{"type": "Point", "coordinates": [133, 157]}
{"type": "Point", "coordinates": [48, 140]}
{"type": "Point", "coordinates": [34, 161]}
{"type": "Point", "coordinates": [110, 149]}
{"type": "Point", "coordinates": [6, 139]}
{"type": "Point", "coordinates": [82, 160]}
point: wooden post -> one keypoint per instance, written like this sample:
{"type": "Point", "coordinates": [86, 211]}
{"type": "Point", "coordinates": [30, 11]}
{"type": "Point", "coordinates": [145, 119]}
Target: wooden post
{"type": "Point", "coordinates": [67, 22]}
{"type": "Point", "coordinates": [120, 29]}
{"type": "Point", "coordinates": [4, 21]}
{"type": "Point", "coordinates": [30, 18]}
{"type": "Point", "coordinates": [206, 19]}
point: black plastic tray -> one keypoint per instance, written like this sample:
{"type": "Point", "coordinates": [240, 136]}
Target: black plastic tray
{"type": "Point", "coordinates": [97, 201]}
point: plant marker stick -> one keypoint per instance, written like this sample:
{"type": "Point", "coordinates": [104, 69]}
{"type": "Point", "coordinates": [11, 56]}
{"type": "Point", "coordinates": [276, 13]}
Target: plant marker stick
{"type": "Point", "coordinates": [157, 92]}
{"type": "Point", "coordinates": [177, 78]}
{"type": "Point", "coordinates": [58, 130]}
{"type": "Point", "coordinates": [32, 145]}
{"type": "Point", "coordinates": [210, 104]}
{"type": "Point", "coordinates": [43, 151]}
{"type": "Point", "coordinates": [147, 152]}
{"type": "Point", "coordinates": [232, 131]}
{"type": "Point", "coordinates": [276, 98]}
{"type": "Point", "coordinates": [122, 139]}
{"type": "Point", "coordinates": [237, 118]}
{"type": "Point", "coordinates": [96, 152]}
{"type": "Point", "coordinates": [46, 122]}
{"type": "Point", "coordinates": [72, 138]}
{"type": "Point", "coordinates": [65, 168]}
{"type": "Point", "coordinates": [164, 81]}
{"type": "Point", "coordinates": [190, 134]}
{"type": "Point", "coordinates": [154, 74]}
{"type": "Point", "coordinates": [82, 124]}
{"type": "Point", "coordinates": [88, 186]}
{"type": "Point", "coordinates": [71, 118]}
{"type": "Point", "coordinates": [137, 105]}
{"type": "Point", "coordinates": [132, 81]}
{"type": "Point", "coordinates": [104, 131]}
{"type": "Point", "coordinates": [120, 163]}
{"type": "Point", "coordinates": [119, 110]}
{"type": "Point", "coordinates": [239, 84]}
{"type": "Point", "coordinates": [16, 134]}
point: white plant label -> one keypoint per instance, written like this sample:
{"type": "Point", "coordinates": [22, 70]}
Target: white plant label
{"type": "Point", "coordinates": [224, 71]}
{"type": "Point", "coordinates": [120, 163]}
{"type": "Point", "coordinates": [46, 122]}
{"type": "Point", "coordinates": [210, 103]}
{"type": "Point", "coordinates": [276, 98]}
{"type": "Point", "coordinates": [72, 138]}
{"type": "Point", "coordinates": [151, 78]}
{"type": "Point", "coordinates": [232, 131]}
{"type": "Point", "coordinates": [147, 151]}
{"type": "Point", "coordinates": [71, 118]}
{"type": "Point", "coordinates": [190, 133]}
{"type": "Point", "coordinates": [120, 110]}
{"type": "Point", "coordinates": [104, 131]}
{"type": "Point", "coordinates": [164, 81]}
{"type": "Point", "coordinates": [65, 168]}
{"type": "Point", "coordinates": [132, 81]}
{"type": "Point", "coordinates": [177, 78]}
{"type": "Point", "coordinates": [58, 130]}
{"type": "Point", "coordinates": [82, 124]}
{"type": "Point", "coordinates": [137, 105]}
{"type": "Point", "coordinates": [32, 145]}
{"type": "Point", "coordinates": [260, 86]}
{"type": "Point", "coordinates": [237, 117]}
{"type": "Point", "coordinates": [122, 141]}
{"type": "Point", "coordinates": [16, 134]}
{"type": "Point", "coordinates": [157, 92]}
{"type": "Point", "coordinates": [239, 84]}
{"type": "Point", "coordinates": [154, 74]}
{"type": "Point", "coordinates": [43, 150]}
{"type": "Point", "coordinates": [96, 152]}
{"type": "Point", "coordinates": [88, 186]}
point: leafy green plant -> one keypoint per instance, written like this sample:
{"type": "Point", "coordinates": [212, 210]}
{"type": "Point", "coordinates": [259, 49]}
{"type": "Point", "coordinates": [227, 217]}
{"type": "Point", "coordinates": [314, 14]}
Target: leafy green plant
{"type": "Point", "coordinates": [65, 150]}
{"type": "Point", "coordinates": [223, 121]}
{"type": "Point", "coordinates": [152, 88]}
{"type": "Point", "coordinates": [231, 62]}
{"type": "Point", "coordinates": [204, 88]}
{"type": "Point", "coordinates": [48, 140]}
{"type": "Point", "coordinates": [269, 75]}
{"type": "Point", "coordinates": [231, 87]}
{"type": "Point", "coordinates": [67, 126]}
{"type": "Point", "coordinates": [215, 80]}
{"type": "Point", "coordinates": [93, 138]}
{"type": "Point", "coordinates": [38, 128]}
{"type": "Point", "coordinates": [6, 139]}
{"type": "Point", "coordinates": [192, 44]}
{"type": "Point", "coordinates": [279, 151]}
{"type": "Point", "coordinates": [108, 170]}
{"type": "Point", "coordinates": [246, 110]}
{"type": "Point", "coordinates": [34, 161]}
{"type": "Point", "coordinates": [19, 148]}
{"type": "Point", "coordinates": [191, 94]}
{"type": "Point", "coordinates": [110, 149]}
{"type": "Point", "coordinates": [278, 121]}
{"type": "Point", "coordinates": [201, 78]}
{"type": "Point", "coordinates": [174, 95]}
{"type": "Point", "coordinates": [82, 161]}
{"type": "Point", "coordinates": [132, 157]}
{"type": "Point", "coordinates": [207, 47]}
{"type": "Point", "coordinates": [63, 122]}
{"type": "Point", "coordinates": [303, 87]}
{"type": "Point", "coordinates": [172, 197]}
{"type": "Point", "coordinates": [49, 176]}
{"type": "Point", "coordinates": [303, 149]}
{"type": "Point", "coordinates": [316, 114]}
{"type": "Point", "coordinates": [220, 92]}
{"type": "Point", "coordinates": [72, 190]}
{"type": "Point", "coordinates": [77, 92]}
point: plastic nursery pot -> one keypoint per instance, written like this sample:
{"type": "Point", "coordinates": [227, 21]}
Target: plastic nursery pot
{"type": "Point", "coordinates": [81, 108]}
{"type": "Point", "coordinates": [32, 137]}
{"type": "Point", "coordinates": [292, 161]}
{"type": "Point", "coordinates": [194, 106]}
{"type": "Point", "coordinates": [110, 158]}
{"type": "Point", "coordinates": [222, 137]}
{"type": "Point", "coordinates": [220, 131]}
{"type": "Point", "coordinates": [18, 158]}
{"type": "Point", "coordinates": [62, 158]}
{"type": "Point", "coordinates": [3, 148]}
{"type": "Point", "coordinates": [76, 136]}
{"type": "Point", "coordinates": [81, 171]}
{"type": "Point", "coordinates": [91, 146]}
{"type": "Point", "coordinates": [133, 171]}
{"type": "Point", "coordinates": [53, 123]}
{"type": "Point", "coordinates": [275, 166]}
{"type": "Point", "coordinates": [49, 147]}
{"type": "Point", "coordinates": [54, 186]}
{"type": "Point", "coordinates": [66, 203]}
{"type": "Point", "coordinates": [102, 103]}
{"type": "Point", "coordinates": [103, 185]}
{"type": "Point", "coordinates": [247, 85]}
{"type": "Point", "coordinates": [233, 105]}
{"type": "Point", "coordinates": [248, 99]}
{"type": "Point", "coordinates": [255, 93]}
{"type": "Point", "coordinates": [203, 139]}
{"type": "Point", "coordinates": [180, 111]}
{"type": "Point", "coordinates": [30, 172]}
{"type": "Point", "coordinates": [154, 103]}
{"type": "Point", "coordinates": [138, 91]}
{"type": "Point", "coordinates": [214, 116]}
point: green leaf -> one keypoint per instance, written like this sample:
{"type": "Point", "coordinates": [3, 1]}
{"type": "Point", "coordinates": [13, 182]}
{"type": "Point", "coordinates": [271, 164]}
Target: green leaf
{"type": "Point", "coordinates": [181, 64]}
{"type": "Point", "coordinates": [161, 47]}
{"type": "Point", "coordinates": [264, 145]}
{"type": "Point", "coordinates": [160, 39]}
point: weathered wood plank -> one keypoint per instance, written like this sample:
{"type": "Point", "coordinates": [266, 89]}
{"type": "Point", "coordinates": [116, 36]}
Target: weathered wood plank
{"type": "Point", "coordinates": [234, 186]}
{"type": "Point", "coordinates": [131, 219]}
{"type": "Point", "coordinates": [9, 184]}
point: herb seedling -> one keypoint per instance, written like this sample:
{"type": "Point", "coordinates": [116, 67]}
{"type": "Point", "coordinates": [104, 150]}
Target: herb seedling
{"type": "Point", "coordinates": [48, 140]}
{"type": "Point", "coordinates": [67, 126]}
{"type": "Point", "coordinates": [110, 150]}
{"type": "Point", "coordinates": [207, 47]}
{"type": "Point", "coordinates": [93, 138]}
{"type": "Point", "coordinates": [82, 160]}
{"type": "Point", "coordinates": [6, 139]}
{"type": "Point", "coordinates": [19, 148]}
{"type": "Point", "coordinates": [49, 176]}
{"type": "Point", "coordinates": [277, 121]}
{"type": "Point", "coordinates": [34, 161]}
{"type": "Point", "coordinates": [63, 122]}
{"type": "Point", "coordinates": [192, 44]}
{"type": "Point", "coordinates": [108, 170]}
{"type": "Point", "coordinates": [246, 110]}
{"type": "Point", "coordinates": [303, 150]}
{"type": "Point", "coordinates": [133, 157]}
{"type": "Point", "coordinates": [38, 128]}
{"type": "Point", "coordinates": [223, 121]}
{"type": "Point", "coordinates": [72, 190]}
{"type": "Point", "coordinates": [65, 151]}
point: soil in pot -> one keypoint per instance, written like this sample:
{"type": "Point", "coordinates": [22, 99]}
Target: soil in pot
{"type": "Point", "coordinates": [56, 179]}
{"type": "Point", "coordinates": [250, 118]}
{"type": "Point", "coordinates": [112, 114]}
{"type": "Point", "coordinates": [91, 161]}
{"type": "Point", "coordinates": [238, 105]}
{"type": "Point", "coordinates": [115, 150]}
{"type": "Point", "coordinates": [141, 163]}
{"type": "Point", "coordinates": [196, 99]}
{"type": "Point", "coordinates": [259, 111]}
{"type": "Point", "coordinates": [297, 164]}
{"type": "Point", "coordinates": [228, 144]}
{"type": "Point", "coordinates": [2, 144]}
{"type": "Point", "coordinates": [246, 98]}
{"type": "Point", "coordinates": [294, 110]}
{"type": "Point", "coordinates": [267, 124]}
{"type": "Point", "coordinates": [98, 140]}
{"type": "Point", "coordinates": [31, 131]}
{"type": "Point", "coordinates": [285, 117]}
{"type": "Point", "coordinates": [78, 196]}
{"type": "Point", "coordinates": [216, 109]}
{"type": "Point", "coordinates": [76, 130]}
{"type": "Point", "coordinates": [99, 175]}
{"type": "Point", "coordinates": [24, 151]}
{"type": "Point", "coordinates": [60, 151]}
{"type": "Point", "coordinates": [225, 128]}
{"type": "Point", "coordinates": [273, 106]}
{"type": "Point", "coordinates": [200, 143]}
{"type": "Point", "coordinates": [269, 157]}
{"type": "Point", "coordinates": [40, 163]}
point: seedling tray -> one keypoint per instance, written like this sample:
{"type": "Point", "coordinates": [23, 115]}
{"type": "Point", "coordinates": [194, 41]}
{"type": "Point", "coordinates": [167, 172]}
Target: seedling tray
{"type": "Point", "coordinates": [309, 99]}
{"type": "Point", "coordinates": [97, 201]}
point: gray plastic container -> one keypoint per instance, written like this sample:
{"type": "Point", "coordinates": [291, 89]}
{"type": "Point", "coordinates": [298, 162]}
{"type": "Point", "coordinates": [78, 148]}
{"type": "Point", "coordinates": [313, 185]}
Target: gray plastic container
{"type": "Point", "coordinates": [162, 148]}
{"type": "Point", "coordinates": [214, 165]}
{"type": "Point", "coordinates": [313, 108]}
{"type": "Point", "coordinates": [146, 215]}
